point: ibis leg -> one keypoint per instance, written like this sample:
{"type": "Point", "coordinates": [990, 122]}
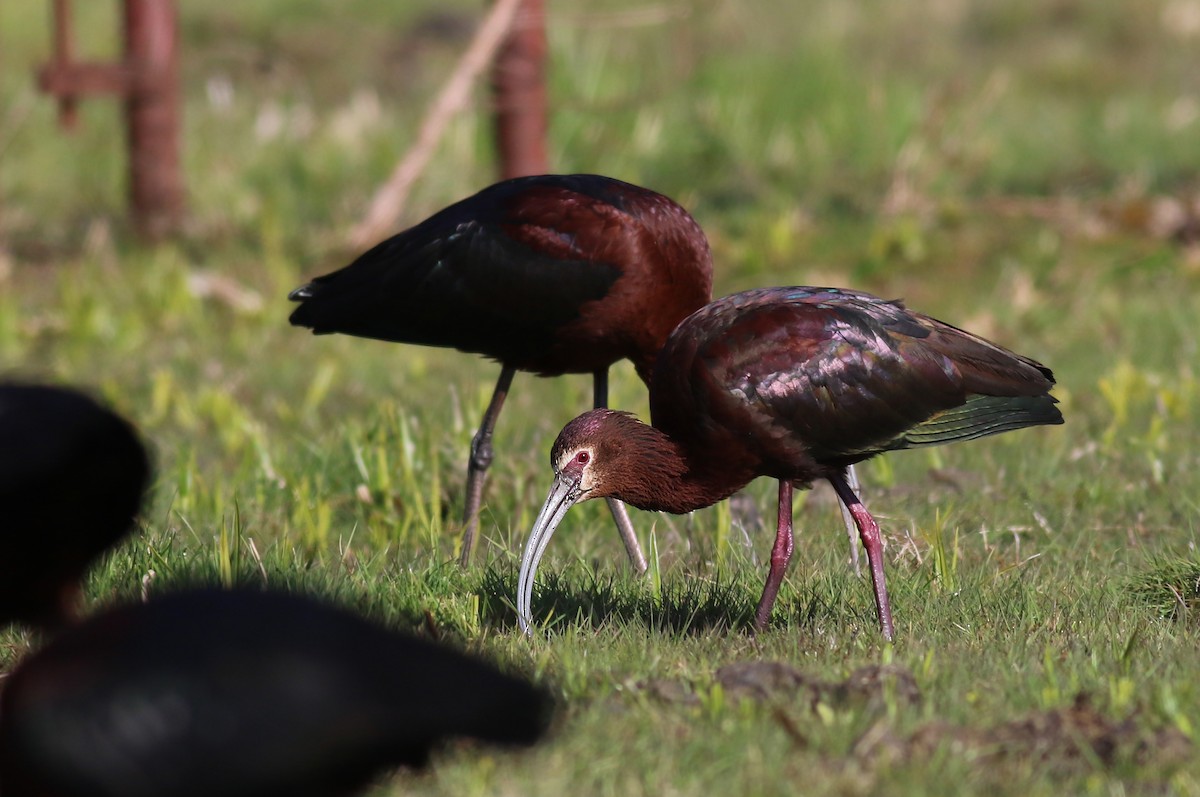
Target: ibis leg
{"type": "Point", "coordinates": [619, 512]}
{"type": "Point", "coordinates": [480, 460]}
{"type": "Point", "coordinates": [872, 540]}
{"type": "Point", "coordinates": [848, 519]}
{"type": "Point", "coordinates": [781, 554]}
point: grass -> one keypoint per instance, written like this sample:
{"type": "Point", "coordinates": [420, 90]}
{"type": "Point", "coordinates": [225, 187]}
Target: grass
{"type": "Point", "coordinates": [1013, 168]}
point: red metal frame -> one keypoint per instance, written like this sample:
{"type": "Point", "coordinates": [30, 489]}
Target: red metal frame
{"type": "Point", "coordinates": [519, 91]}
{"type": "Point", "coordinates": [148, 81]}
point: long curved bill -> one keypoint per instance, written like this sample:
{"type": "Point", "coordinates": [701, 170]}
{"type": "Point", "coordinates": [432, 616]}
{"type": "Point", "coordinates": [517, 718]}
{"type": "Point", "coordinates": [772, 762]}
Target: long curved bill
{"type": "Point", "coordinates": [563, 495]}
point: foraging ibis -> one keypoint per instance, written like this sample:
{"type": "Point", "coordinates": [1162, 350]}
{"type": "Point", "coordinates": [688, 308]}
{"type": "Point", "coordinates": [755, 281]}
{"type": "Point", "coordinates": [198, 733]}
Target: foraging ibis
{"type": "Point", "coordinates": [551, 274]}
{"type": "Point", "coordinates": [796, 384]}
{"type": "Point", "coordinates": [72, 477]}
{"type": "Point", "coordinates": [243, 694]}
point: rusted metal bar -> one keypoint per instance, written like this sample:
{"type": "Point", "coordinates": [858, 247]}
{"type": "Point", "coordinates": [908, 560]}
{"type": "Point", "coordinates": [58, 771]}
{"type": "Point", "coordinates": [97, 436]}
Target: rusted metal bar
{"type": "Point", "coordinates": [64, 55]}
{"type": "Point", "coordinates": [69, 81]}
{"type": "Point", "coordinates": [148, 81]}
{"type": "Point", "coordinates": [152, 116]}
{"type": "Point", "coordinates": [519, 92]}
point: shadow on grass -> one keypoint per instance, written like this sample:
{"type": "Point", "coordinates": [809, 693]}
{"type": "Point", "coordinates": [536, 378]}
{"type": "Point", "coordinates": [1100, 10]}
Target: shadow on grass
{"type": "Point", "coordinates": [686, 606]}
{"type": "Point", "coordinates": [690, 606]}
{"type": "Point", "coordinates": [418, 597]}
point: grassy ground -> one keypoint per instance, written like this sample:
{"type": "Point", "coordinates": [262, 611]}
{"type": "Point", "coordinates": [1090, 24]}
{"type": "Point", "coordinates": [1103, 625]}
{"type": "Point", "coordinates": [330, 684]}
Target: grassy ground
{"type": "Point", "coordinates": [1027, 169]}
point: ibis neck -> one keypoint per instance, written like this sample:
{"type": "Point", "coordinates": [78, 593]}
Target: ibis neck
{"type": "Point", "coordinates": [666, 476]}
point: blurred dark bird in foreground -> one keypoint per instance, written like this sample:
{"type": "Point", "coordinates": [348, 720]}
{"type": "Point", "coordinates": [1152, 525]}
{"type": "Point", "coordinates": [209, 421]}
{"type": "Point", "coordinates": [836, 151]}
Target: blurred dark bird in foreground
{"type": "Point", "coordinates": [552, 274]}
{"type": "Point", "coordinates": [72, 477]}
{"type": "Point", "coordinates": [797, 384]}
{"type": "Point", "coordinates": [243, 694]}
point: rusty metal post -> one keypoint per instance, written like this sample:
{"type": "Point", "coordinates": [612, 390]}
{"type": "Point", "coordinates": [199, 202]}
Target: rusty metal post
{"type": "Point", "coordinates": [148, 80]}
{"type": "Point", "coordinates": [152, 116]}
{"type": "Point", "coordinates": [519, 91]}
{"type": "Point", "coordinates": [64, 56]}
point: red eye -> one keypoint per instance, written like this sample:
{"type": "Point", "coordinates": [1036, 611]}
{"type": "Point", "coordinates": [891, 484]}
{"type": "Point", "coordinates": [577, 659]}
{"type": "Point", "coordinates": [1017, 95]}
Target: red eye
{"type": "Point", "coordinates": [583, 457]}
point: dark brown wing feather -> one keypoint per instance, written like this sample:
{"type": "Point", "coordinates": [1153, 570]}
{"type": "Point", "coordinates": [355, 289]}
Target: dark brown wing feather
{"type": "Point", "coordinates": [553, 274]}
{"type": "Point", "coordinates": [808, 378]}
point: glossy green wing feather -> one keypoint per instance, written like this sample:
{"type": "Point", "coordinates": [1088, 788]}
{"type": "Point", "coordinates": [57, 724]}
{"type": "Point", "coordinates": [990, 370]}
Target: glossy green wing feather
{"type": "Point", "coordinates": [979, 417]}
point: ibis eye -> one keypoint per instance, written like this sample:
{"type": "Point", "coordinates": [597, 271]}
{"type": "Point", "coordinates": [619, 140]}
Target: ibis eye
{"type": "Point", "coordinates": [583, 457]}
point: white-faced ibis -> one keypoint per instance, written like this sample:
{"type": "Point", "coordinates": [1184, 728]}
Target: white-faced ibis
{"type": "Point", "coordinates": [243, 694]}
{"type": "Point", "coordinates": [796, 384]}
{"type": "Point", "coordinates": [72, 476]}
{"type": "Point", "coordinates": [552, 274]}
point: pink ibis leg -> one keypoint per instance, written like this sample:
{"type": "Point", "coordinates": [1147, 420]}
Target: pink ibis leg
{"type": "Point", "coordinates": [781, 554]}
{"type": "Point", "coordinates": [872, 540]}
{"type": "Point", "coordinates": [620, 514]}
{"type": "Point", "coordinates": [479, 461]}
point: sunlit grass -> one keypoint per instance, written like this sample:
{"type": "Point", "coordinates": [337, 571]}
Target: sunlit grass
{"type": "Point", "coordinates": [997, 165]}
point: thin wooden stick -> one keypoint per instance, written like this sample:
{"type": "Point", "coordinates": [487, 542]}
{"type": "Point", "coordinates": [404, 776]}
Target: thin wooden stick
{"type": "Point", "coordinates": [389, 200]}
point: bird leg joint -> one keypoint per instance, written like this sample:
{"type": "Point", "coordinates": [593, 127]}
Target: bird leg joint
{"type": "Point", "coordinates": [481, 451]}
